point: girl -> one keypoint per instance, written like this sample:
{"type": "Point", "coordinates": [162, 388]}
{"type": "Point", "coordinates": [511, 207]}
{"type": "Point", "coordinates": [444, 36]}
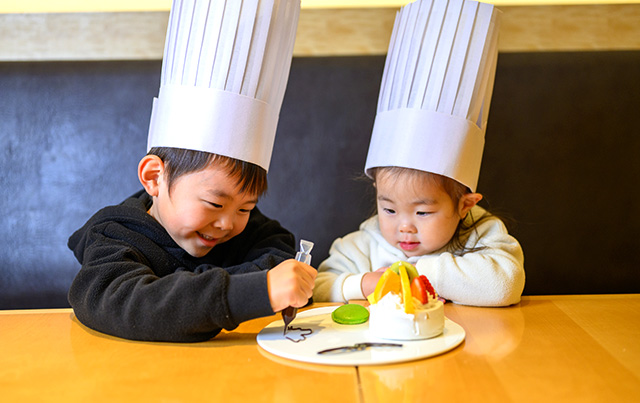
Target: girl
{"type": "Point", "coordinates": [434, 223]}
{"type": "Point", "coordinates": [424, 158]}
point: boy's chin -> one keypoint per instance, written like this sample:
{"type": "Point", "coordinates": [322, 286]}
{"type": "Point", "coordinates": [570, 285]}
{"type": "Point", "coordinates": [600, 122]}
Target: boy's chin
{"type": "Point", "coordinates": [199, 254]}
{"type": "Point", "coordinates": [196, 251]}
{"type": "Point", "coordinates": [197, 247]}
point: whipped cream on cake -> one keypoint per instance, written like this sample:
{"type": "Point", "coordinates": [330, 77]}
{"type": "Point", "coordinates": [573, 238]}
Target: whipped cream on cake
{"type": "Point", "coordinates": [391, 318]}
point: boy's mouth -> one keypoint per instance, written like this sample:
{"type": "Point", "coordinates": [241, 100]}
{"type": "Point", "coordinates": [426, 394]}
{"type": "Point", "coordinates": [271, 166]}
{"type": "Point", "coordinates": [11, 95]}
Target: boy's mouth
{"type": "Point", "coordinates": [408, 246]}
{"type": "Point", "coordinates": [208, 240]}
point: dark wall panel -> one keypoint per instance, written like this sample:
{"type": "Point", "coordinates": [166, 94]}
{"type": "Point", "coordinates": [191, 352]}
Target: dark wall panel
{"type": "Point", "coordinates": [561, 159]}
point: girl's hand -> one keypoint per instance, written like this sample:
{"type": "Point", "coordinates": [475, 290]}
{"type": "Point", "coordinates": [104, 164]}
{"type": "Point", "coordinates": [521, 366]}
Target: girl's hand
{"type": "Point", "coordinates": [290, 284]}
{"type": "Point", "coordinates": [369, 281]}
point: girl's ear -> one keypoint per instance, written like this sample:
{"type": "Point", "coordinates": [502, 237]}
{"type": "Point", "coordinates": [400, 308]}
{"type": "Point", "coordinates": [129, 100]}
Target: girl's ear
{"type": "Point", "coordinates": [150, 173]}
{"type": "Point", "coordinates": [467, 201]}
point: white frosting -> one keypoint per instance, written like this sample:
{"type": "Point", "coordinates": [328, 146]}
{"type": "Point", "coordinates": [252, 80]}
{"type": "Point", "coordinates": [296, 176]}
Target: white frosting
{"type": "Point", "coordinates": [387, 319]}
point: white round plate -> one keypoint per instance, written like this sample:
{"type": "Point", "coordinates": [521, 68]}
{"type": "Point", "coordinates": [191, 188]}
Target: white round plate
{"type": "Point", "coordinates": [325, 333]}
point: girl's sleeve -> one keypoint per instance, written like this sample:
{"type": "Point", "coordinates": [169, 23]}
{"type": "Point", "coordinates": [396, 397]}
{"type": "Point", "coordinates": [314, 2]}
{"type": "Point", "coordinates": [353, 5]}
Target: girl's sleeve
{"type": "Point", "coordinates": [492, 276]}
{"type": "Point", "coordinates": [339, 276]}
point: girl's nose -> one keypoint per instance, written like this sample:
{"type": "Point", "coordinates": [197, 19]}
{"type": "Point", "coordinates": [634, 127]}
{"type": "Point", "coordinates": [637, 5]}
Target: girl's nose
{"type": "Point", "coordinates": [407, 227]}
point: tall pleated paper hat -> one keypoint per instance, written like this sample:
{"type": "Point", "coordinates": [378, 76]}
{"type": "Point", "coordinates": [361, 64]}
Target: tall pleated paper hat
{"type": "Point", "coordinates": [436, 89]}
{"type": "Point", "coordinates": [224, 73]}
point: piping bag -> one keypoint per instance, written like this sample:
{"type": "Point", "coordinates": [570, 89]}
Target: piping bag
{"type": "Point", "coordinates": [304, 256]}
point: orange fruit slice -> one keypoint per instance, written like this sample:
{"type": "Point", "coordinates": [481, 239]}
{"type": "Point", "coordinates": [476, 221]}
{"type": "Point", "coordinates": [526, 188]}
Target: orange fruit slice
{"type": "Point", "coordinates": [389, 282]}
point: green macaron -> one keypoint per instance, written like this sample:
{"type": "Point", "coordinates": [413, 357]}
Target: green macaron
{"type": "Point", "coordinates": [350, 314]}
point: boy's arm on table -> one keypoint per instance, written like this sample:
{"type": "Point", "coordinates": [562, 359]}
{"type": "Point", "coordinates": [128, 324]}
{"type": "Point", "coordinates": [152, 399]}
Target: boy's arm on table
{"type": "Point", "coordinates": [117, 292]}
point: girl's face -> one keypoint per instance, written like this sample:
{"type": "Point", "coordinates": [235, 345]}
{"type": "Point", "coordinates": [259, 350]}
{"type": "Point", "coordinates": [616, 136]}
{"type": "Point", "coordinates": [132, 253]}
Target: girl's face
{"type": "Point", "coordinates": [416, 215]}
{"type": "Point", "coordinates": [205, 208]}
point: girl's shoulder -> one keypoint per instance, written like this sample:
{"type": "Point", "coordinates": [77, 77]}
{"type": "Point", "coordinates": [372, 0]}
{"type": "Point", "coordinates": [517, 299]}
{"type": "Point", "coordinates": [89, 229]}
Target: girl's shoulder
{"type": "Point", "coordinates": [482, 217]}
{"type": "Point", "coordinates": [367, 236]}
{"type": "Point", "coordinates": [370, 231]}
{"type": "Point", "coordinates": [370, 224]}
{"type": "Point", "coordinates": [481, 224]}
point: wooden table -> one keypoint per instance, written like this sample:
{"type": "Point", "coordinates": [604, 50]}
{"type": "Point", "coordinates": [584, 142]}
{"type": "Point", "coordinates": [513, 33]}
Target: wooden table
{"type": "Point", "coordinates": [555, 348]}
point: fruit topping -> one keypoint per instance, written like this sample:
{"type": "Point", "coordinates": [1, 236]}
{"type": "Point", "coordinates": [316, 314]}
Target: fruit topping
{"type": "Point", "coordinates": [389, 282]}
{"type": "Point", "coordinates": [403, 279]}
{"type": "Point", "coordinates": [406, 290]}
{"type": "Point", "coordinates": [411, 270]}
{"type": "Point", "coordinates": [420, 286]}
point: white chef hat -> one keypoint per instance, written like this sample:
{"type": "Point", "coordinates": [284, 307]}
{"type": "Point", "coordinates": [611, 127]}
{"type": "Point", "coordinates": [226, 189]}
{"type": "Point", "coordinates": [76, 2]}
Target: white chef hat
{"type": "Point", "coordinates": [224, 73]}
{"type": "Point", "coordinates": [436, 89]}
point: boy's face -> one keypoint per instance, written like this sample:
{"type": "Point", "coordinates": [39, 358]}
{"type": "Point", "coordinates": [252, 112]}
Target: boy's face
{"type": "Point", "coordinates": [204, 209]}
{"type": "Point", "coordinates": [415, 214]}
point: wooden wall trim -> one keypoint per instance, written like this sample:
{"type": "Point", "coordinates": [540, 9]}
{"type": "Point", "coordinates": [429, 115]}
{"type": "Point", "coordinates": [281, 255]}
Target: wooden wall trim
{"type": "Point", "coordinates": [321, 32]}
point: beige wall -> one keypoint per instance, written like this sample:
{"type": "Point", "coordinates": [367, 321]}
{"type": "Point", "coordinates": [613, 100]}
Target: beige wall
{"type": "Point", "coordinates": [321, 32]}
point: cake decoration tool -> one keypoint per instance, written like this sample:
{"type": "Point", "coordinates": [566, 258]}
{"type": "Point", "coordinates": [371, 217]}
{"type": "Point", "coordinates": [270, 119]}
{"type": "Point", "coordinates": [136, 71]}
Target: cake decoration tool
{"type": "Point", "coordinates": [304, 256]}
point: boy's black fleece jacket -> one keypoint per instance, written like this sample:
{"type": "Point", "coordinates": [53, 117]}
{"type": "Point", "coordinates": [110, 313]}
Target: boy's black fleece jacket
{"type": "Point", "coordinates": [137, 283]}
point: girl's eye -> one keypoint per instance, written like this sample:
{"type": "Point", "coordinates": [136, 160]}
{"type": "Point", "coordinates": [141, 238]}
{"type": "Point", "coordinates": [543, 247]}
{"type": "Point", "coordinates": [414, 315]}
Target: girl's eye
{"type": "Point", "coordinates": [216, 205]}
{"type": "Point", "coordinates": [423, 213]}
{"type": "Point", "coordinates": [389, 211]}
{"type": "Point", "coordinates": [245, 211]}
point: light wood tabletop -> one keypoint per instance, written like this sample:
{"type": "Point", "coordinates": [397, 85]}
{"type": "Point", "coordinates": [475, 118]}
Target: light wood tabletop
{"type": "Point", "coordinates": [551, 349]}
{"type": "Point", "coordinates": [547, 348]}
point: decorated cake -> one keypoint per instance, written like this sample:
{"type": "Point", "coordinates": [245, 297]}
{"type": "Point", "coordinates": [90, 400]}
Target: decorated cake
{"type": "Point", "coordinates": [404, 306]}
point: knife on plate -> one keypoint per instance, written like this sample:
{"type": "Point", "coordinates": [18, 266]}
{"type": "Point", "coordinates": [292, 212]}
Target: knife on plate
{"type": "Point", "coordinates": [357, 347]}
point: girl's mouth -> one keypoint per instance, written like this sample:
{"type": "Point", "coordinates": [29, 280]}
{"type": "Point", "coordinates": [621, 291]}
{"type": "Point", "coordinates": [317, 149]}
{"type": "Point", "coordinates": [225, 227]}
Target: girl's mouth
{"type": "Point", "coordinates": [409, 246]}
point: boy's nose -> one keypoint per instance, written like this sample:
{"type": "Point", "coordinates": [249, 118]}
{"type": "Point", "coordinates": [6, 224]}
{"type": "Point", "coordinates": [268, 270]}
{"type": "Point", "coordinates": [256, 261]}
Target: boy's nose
{"type": "Point", "coordinates": [224, 223]}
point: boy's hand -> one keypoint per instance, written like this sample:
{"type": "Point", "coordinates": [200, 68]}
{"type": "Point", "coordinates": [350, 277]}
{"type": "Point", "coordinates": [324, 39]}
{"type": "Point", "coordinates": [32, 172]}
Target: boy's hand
{"type": "Point", "coordinates": [370, 280]}
{"type": "Point", "coordinates": [290, 284]}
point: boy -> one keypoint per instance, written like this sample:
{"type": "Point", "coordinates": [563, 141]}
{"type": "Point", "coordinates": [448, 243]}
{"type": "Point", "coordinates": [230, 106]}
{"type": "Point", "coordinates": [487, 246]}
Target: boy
{"type": "Point", "coordinates": [191, 254]}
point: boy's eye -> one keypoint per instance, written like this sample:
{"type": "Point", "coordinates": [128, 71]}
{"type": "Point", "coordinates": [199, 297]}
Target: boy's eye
{"type": "Point", "coordinates": [389, 211]}
{"type": "Point", "coordinates": [245, 210]}
{"type": "Point", "coordinates": [423, 213]}
{"type": "Point", "coordinates": [216, 205]}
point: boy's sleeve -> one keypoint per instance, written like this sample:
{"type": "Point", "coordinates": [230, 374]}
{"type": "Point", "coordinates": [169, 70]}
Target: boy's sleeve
{"type": "Point", "coordinates": [117, 293]}
{"type": "Point", "coordinates": [340, 275]}
{"type": "Point", "coordinates": [268, 244]}
{"type": "Point", "coordinates": [492, 276]}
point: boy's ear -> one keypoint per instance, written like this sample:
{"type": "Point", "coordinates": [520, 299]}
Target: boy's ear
{"type": "Point", "coordinates": [467, 201]}
{"type": "Point", "coordinates": [150, 173]}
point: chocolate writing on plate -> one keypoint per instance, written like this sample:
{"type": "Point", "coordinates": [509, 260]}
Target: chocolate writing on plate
{"type": "Point", "coordinates": [301, 336]}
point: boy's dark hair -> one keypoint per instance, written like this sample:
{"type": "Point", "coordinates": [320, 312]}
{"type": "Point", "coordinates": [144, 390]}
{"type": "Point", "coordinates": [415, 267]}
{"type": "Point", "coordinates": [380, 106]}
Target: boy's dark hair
{"type": "Point", "coordinates": [455, 190]}
{"type": "Point", "coordinates": [178, 162]}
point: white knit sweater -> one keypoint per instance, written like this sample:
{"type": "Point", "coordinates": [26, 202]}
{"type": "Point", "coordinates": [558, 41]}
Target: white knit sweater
{"type": "Point", "coordinates": [493, 276]}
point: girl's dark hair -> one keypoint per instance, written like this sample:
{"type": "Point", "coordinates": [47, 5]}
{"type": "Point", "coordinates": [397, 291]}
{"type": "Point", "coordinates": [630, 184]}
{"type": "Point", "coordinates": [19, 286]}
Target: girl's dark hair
{"type": "Point", "coordinates": [177, 162]}
{"type": "Point", "coordinates": [455, 190]}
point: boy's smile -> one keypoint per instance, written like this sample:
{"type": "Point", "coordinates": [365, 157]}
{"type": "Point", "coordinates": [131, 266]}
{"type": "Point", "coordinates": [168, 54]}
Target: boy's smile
{"type": "Point", "coordinates": [202, 209]}
{"type": "Point", "coordinates": [207, 240]}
